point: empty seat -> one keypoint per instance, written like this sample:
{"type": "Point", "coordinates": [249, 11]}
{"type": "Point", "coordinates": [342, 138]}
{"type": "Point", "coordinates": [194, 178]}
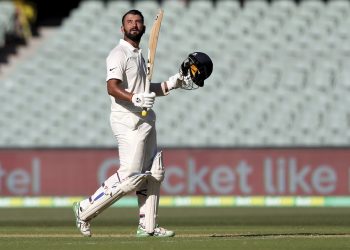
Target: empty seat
{"type": "Point", "coordinates": [280, 71]}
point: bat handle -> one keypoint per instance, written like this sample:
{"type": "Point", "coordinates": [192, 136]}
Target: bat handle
{"type": "Point", "coordinates": [147, 87]}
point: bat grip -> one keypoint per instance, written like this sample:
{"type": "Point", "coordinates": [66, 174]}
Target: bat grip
{"type": "Point", "coordinates": [148, 82]}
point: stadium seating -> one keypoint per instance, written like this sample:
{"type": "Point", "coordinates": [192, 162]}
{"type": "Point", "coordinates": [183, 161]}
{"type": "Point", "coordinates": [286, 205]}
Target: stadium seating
{"type": "Point", "coordinates": [281, 76]}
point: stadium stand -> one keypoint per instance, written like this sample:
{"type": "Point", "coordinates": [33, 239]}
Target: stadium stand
{"type": "Point", "coordinates": [281, 76]}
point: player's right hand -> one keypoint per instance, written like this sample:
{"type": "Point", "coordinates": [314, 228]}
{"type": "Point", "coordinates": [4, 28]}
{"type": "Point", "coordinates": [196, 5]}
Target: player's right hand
{"type": "Point", "coordinates": [175, 81]}
{"type": "Point", "coordinates": [144, 100]}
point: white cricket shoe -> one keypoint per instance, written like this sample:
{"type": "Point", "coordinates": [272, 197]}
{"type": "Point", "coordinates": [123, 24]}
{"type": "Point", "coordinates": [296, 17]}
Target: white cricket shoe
{"type": "Point", "coordinates": [158, 232]}
{"type": "Point", "coordinates": [83, 226]}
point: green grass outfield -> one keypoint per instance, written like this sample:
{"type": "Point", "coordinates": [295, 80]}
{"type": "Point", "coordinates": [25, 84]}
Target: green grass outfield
{"type": "Point", "coordinates": [196, 228]}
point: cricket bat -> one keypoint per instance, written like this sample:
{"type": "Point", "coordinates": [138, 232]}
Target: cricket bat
{"type": "Point", "coordinates": [152, 47]}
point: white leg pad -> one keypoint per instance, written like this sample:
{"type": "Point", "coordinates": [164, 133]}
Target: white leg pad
{"type": "Point", "coordinates": [153, 189]}
{"type": "Point", "coordinates": [151, 207]}
{"type": "Point", "coordinates": [111, 195]}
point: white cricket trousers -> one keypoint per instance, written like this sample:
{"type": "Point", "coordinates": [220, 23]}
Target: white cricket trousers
{"type": "Point", "coordinates": [137, 141]}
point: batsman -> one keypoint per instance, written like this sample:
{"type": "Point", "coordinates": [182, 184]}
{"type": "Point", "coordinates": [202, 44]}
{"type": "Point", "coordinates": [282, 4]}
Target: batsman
{"type": "Point", "coordinates": [141, 164]}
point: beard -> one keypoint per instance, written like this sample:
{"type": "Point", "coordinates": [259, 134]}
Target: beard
{"type": "Point", "coordinates": [136, 37]}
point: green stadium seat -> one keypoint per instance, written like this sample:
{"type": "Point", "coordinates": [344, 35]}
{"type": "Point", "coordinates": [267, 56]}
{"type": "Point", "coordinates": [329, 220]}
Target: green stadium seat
{"type": "Point", "coordinates": [280, 71]}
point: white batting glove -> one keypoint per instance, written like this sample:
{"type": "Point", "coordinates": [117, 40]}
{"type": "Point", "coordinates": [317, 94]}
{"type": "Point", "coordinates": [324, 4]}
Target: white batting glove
{"type": "Point", "coordinates": [174, 81]}
{"type": "Point", "coordinates": [144, 100]}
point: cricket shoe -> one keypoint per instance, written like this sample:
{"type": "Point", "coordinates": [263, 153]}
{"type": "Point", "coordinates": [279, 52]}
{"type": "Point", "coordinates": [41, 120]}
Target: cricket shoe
{"type": "Point", "coordinates": [83, 226]}
{"type": "Point", "coordinates": [158, 232]}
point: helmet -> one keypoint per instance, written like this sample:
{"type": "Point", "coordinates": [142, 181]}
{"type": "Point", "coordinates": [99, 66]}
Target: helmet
{"type": "Point", "coordinates": [195, 69]}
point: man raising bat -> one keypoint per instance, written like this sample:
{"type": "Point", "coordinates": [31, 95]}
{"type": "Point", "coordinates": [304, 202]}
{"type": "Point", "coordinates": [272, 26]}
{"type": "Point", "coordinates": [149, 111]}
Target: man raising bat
{"type": "Point", "coordinates": [141, 166]}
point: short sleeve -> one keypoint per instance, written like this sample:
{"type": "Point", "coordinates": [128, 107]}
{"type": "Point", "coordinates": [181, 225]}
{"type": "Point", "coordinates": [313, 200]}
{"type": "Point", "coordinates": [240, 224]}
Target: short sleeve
{"type": "Point", "coordinates": [115, 64]}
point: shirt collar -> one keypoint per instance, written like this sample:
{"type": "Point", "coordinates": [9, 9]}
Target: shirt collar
{"type": "Point", "coordinates": [128, 45]}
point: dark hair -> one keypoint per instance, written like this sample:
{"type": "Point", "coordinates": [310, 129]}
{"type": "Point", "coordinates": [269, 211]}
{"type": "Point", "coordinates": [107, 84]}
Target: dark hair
{"type": "Point", "coordinates": [133, 12]}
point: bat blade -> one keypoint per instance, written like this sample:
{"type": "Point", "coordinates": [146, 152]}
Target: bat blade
{"type": "Point", "coordinates": [153, 41]}
{"type": "Point", "coordinates": [152, 47]}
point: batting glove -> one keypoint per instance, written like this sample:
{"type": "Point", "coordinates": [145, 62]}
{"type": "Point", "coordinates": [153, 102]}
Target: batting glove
{"type": "Point", "coordinates": [175, 81]}
{"type": "Point", "coordinates": [144, 100]}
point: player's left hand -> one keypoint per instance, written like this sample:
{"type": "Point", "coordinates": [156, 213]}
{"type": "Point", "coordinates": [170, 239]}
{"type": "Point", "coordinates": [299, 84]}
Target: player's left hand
{"type": "Point", "coordinates": [175, 81]}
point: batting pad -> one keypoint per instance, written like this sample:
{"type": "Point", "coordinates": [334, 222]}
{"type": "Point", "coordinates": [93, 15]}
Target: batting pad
{"type": "Point", "coordinates": [153, 190]}
{"type": "Point", "coordinates": [114, 193]}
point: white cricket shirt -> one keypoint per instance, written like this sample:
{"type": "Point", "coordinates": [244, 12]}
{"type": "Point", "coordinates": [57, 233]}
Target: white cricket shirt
{"type": "Point", "coordinates": [127, 64]}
